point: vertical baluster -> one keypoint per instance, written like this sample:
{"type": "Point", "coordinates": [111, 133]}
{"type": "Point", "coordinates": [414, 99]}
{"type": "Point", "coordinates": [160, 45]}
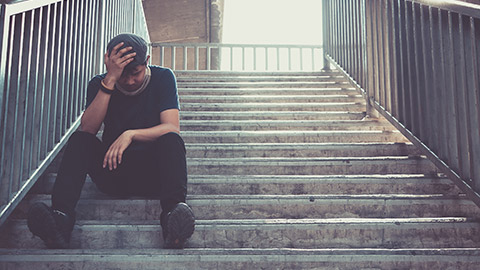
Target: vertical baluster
{"type": "Point", "coordinates": [380, 90]}
{"type": "Point", "coordinates": [289, 58]}
{"type": "Point", "coordinates": [162, 56]}
{"type": "Point", "coordinates": [418, 85]}
{"type": "Point", "coordinates": [473, 73]}
{"type": "Point", "coordinates": [231, 58]}
{"type": "Point", "coordinates": [312, 51]}
{"type": "Point", "coordinates": [243, 58]}
{"type": "Point", "coordinates": [411, 122]}
{"type": "Point", "coordinates": [25, 101]}
{"type": "Point", "coordinates": [428, 97]}
{"type": "Point", "coordinates": [254, 58]}
{"type": "Point", "coordinates": [209, 67]}
{"type": "Point", "coordinates": [354, 46]}
{"type": "Point", "coordinates": [63, 35]}
{"type": "Point", "coordinates": [449, 98]}
{"type": "Point", "coordinates": [17, 100]}
{"type": "Point", "coordinates": [387, 74]}
{"type": "Point", "coordinates": [185, 57]}
{"type": "Point", "coordinates": [34, 92]}
{"type": "Point", "coordinates": [460, 94]}
{"type": "Point", "coordinates": [266, 58]}
{"type": "Point", "coordinates": [301, 59]}
{"type": "Point", "coordinates": [348, 37]}
{"type": "Point", "coordinates": [437, 85]}
{"type": "Point", "coordinates": [376, 54]}
{"type": "Point", "coordinates": [370, 55]}
{"type": "Point", "coordinates": [78, 46]}
{"type": "Point", "coordinates": [7, 121]}
{"type": "Point", "coordinates": [394, 57]}
{"type": "Point", "coordinates": [196, 57]}
{"type": "Point", "coordinates": [41, 79]}
{"type": "Point", "coordinates": [174, 57]}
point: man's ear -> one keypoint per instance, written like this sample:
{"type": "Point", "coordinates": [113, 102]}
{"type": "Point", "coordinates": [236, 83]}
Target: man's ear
{"type": "Point", "coordinates": [148, 58]}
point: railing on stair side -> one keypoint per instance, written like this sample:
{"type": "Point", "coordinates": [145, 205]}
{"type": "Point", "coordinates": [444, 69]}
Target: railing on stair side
{"type": "Point", "coordinates": [237, 57]}
{"type": "Point", "coordinates": [49, 49]}
{"type": "Point", "coordinates": [417, 63]}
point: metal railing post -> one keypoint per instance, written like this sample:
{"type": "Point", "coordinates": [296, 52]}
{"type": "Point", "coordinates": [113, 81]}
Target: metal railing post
{"type": "Point", "coordinates": [326, 33]}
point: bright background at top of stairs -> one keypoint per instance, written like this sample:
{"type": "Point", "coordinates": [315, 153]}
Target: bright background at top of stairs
{"type": "Point", "coordinates": [270, 22]}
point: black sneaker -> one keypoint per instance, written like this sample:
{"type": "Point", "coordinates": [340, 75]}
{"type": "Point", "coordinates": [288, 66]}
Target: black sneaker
{"type": "Point", "coordinates": [52, 226]}
{"type": "Point", "coordinates": [179, 226]}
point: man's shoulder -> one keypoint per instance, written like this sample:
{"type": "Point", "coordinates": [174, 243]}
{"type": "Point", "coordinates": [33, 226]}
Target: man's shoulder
{"type": "Point", "coordinates": [160, 71]}
{"type": "Point", "coordinates": [97, 78]}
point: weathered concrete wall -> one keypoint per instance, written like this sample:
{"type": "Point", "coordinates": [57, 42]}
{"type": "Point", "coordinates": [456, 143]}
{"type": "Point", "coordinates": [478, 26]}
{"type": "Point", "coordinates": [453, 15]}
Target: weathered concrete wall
{"type": "Point", "coordinates": [184, 21]}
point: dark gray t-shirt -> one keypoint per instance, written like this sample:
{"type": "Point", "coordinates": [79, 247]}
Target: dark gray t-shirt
{"type": "Point", "coordinates": [136, 112]}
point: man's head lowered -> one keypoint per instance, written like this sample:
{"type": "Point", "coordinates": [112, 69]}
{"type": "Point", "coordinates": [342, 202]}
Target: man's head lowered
{"type": "Point", "coordinates": [138, 44]}
{"type": "Point", "coordinates": [136, 75]}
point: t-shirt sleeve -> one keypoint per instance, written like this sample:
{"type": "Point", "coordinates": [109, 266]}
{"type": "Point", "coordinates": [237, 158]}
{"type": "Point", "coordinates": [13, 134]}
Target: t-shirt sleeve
{"type": "Point", "coordinates": [169, 99]}
{"type": "Point", "coordinates": [92, 90]}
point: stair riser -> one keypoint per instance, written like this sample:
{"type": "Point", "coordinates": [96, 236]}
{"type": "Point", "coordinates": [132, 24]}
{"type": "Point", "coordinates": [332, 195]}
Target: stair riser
{"type": "Point", "coordinates": [277, 115]}
{"type": "Point", "coordinates": [259, 126]}
{"type": "Point", "coordinates": [248, 262]}
{"type": "Point", "coordinates": [336, 187]}
{"type": "Point", "coordinates": [321, 168]}
{"type": "Point", "coordinates": [282, 185]}
{"type": "Point", "coordinates": [266, 91]}
{"type": "Point", "coordinates": [261, 79]}
{"type": "Point", "coordinates": [285, 107]}
{"type": "Point", "coordinates": [279, 85]}
{"type": "Point", "coordinates": [246, 150]}
{"type": "Point", "coordinates": [266, 236]}
{"type": "Point", "coordinates": [291, 137]}
{"type": "Point", "coordinates": [216, 73]}
{"type": "Point", "coordinates": [252, 99]}
{"type": "Point", "coordinates": [272, 208]}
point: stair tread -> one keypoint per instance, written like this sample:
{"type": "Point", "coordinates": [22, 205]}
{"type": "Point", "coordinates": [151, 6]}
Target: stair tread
{"type": "Point", "coordinates": [279, 197]}
{"type": "Point", "coordinates": [153, 253]}
{"type": "Point", "coordinates": [282, 222]}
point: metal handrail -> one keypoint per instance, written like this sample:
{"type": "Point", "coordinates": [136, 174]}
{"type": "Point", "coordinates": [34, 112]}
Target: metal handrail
{"type": "Point", "coordinates": [417, 63]}
{"type": "Point", "coordinates": [49, 49]}
{"type": "Point", "coordinates": [237, 57]}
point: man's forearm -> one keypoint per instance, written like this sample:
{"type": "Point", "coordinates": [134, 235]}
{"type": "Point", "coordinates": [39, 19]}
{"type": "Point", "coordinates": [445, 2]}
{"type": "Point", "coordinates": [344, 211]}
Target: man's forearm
{"type": "Point", "coordinates": [94, 115]}
{"type": "Point", "coordinates": [153, 133]}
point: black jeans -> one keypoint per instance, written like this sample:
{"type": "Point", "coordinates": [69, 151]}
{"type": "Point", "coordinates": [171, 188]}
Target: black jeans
{"type": "Point", "coordinates": [155, 169]}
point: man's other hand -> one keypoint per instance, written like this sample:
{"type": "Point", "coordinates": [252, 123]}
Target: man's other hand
{"type": "Point", "coordinates": [113, 157]}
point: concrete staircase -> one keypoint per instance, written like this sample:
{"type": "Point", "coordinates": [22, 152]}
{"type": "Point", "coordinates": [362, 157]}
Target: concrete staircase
{"type": "Point", "coordinates": [285, 172]}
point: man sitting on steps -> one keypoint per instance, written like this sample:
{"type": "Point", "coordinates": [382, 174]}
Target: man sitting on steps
{"type": "Point", "coordinates": [140, 154]}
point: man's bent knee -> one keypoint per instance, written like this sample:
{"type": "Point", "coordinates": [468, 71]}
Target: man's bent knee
{"type": "Point", "coordinates": [82, 137]}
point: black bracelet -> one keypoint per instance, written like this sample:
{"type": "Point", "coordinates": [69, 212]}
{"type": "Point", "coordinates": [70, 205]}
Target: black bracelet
{"type": "Point", "coordinates": [105, 89]}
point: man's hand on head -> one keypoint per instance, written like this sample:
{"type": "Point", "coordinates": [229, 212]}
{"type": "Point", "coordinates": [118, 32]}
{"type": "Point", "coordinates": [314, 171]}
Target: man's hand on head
{"type": "Point", "coordinates": [114, 155]}
{"type": "Point", "coordinates": [115, 62]}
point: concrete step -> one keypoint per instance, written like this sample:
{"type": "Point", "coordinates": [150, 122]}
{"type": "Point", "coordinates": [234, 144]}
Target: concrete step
{"type": "Point", "coordinates": [216, 73]}
{"type": "Point", "coordinates": [270, 99]}
{"type": "Point", "coordinates": [231, 125]}
{"type": "Point", "coordinates": [270, 115]}
{"type": "Point", "coordinates": [279, 106]}
{"type": "Point", "coordinates": [266, 78]}
{"type": "Point", "coordinates": [205, 91]}
{"type": "Point", "coordinates": [293, 184]}
{"type": "Point", "coordinates": [309, 166]}
{"type": "Point", "coordinates": [275, 206]}
{"type": "Point", "coordinates": [231, 150]}
{"type": "Point", "coordinates": [288, 84]}
{"type": "Point", "coordinates": [242, 258]}
{"type": "Point", "coordinates": [282, 136]}
{"type": "Point", "coordinates": [448, 232]}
